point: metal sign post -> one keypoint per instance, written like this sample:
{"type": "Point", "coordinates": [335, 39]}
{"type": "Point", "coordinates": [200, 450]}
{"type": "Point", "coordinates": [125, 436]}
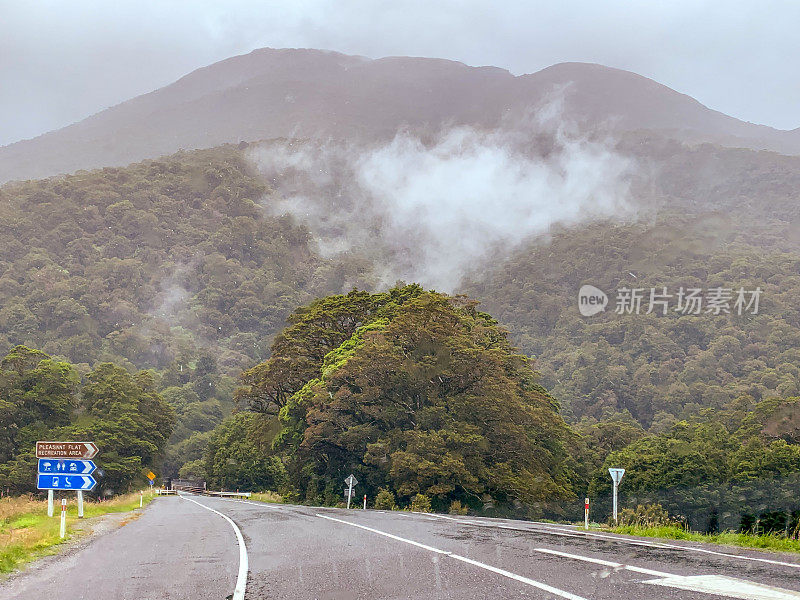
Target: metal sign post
{"type": "Point", "coordinates": [49, 503]}
{"type": "Point", "coordinates": [350, 481]}
{"type": "Point", "coordinates": [80, 504]}
{"type": "Point", "coordinates": [616, 477]}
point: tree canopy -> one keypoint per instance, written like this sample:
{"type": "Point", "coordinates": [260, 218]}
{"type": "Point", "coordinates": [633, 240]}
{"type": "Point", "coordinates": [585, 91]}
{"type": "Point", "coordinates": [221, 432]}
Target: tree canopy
{"type": "Point", "coordinates": [414, 392]}
{"type": "Point", "coordinates": [43, 399]}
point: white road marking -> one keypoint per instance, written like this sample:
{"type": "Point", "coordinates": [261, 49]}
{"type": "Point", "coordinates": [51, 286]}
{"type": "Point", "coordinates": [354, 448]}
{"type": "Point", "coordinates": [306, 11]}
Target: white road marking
{"type": "Point", "coordinates": [410, 514]}
{"type": "Point", "coordinates": [605, 563]}
{"type": "Point", "coordinates": [686, 548]}
{"type": "Point", "coordinates": [718, 585]}
{"type": "Point", "coordinates": [389, 535]}
{"type": "Point", "coordinates": [574, 535]}
{"type": "Point", "coordinates": [442, 516]}
{"type": "Point", "coordinates": [730, 587]}
{"type": "Point", "coordinates": [541, 528]}
{"type": "Point", "coordinates": [560, 531]}
{"type": "Point", "coordinates": [241, 578]}
{"type": "Point", "coordinates": [520, 578]}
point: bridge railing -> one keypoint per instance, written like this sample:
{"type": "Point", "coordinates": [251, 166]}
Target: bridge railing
{"type": "Point", "coordinates": [186, 485]}
{"type": "Point", "coordinates": [229, 494]}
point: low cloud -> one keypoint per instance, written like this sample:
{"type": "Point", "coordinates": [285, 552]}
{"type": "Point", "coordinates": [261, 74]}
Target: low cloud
{"type": "Point", "coordinates": [431, 210]}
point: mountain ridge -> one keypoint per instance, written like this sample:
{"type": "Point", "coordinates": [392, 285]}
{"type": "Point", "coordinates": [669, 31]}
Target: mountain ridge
{"type": "Point", "coordinates": [271, 93]}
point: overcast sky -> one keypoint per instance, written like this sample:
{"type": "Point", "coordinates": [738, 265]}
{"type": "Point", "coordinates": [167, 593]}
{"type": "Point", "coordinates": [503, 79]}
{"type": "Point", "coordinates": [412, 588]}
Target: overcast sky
{"type": "Point", "coordinates": [62, 60]}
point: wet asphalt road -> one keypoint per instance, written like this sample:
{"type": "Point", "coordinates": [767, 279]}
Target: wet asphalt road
{"type": "Point", "coordinates": [179, 549]}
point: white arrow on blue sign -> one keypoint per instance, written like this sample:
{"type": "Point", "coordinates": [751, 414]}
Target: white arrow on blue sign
{"type": "Point", "coordinates": [45, 481]}
{"type": "Point", "coordinates": [66, 466]}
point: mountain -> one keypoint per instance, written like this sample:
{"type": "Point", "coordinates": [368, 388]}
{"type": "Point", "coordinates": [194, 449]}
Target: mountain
{"type": "Point", "coordinates": [301, 93]}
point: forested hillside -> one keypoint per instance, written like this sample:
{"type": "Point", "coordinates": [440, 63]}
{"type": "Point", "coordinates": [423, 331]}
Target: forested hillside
{"type": "Point", "coordinates": [151, 263]}
{"type": "Point", "coordinates": [656, 368]}
{"type": "Point", "coordinates": [168, 265]}
{"type": "Point", "coordinates": [186, 266]}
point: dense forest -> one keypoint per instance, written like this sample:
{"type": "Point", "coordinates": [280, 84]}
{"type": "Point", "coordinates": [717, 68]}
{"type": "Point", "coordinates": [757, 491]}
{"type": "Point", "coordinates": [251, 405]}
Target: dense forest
{"type": "Point", "coordinates": [171, 282]}
{"type": "Point", "coordinates": [169, 265]}
{"type": "Point", "coordinates": [42, 398]}
{"type": "Point", "coordinates": [654, 367]}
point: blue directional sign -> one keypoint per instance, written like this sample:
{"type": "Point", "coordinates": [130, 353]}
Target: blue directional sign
{"type": "Point", "coordinates": [45, 481]}
{"type": "Point", "coordinates": [66, 466]}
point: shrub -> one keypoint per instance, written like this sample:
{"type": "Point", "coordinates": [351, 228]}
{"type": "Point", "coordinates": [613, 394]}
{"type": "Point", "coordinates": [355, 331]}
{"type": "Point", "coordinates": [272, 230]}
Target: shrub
{"type": "Point", "coordinates": [194, 470]}
{"type": "Point", "coordinates": [456, 508]}
{"type": "Point", "coordinates": [384, 500]}
{"type": "Point", "coordinates": [647, 515]}
{"type": "Point", "coordinates": [421, 503]}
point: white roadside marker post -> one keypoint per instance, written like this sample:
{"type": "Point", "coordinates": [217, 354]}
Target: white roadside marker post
{"type": "Point", "coordinates": [80, 504]}
{"type": "Point", "coordinates": [586, 514]}
{"type": "Point", "coordinates": [365, 502]}
{"type": "Point", "coordinates": [49, 503]}
{"type": "Point", "coordinates": [141, 499]}
{"type": "Point", "coordinates": [63, 531]}
{"type": "Point", "coordinates": [616, 477]}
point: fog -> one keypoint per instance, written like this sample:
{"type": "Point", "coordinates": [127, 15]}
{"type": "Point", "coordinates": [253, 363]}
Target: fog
{"type": "Point", "coordinates": [432, 210]}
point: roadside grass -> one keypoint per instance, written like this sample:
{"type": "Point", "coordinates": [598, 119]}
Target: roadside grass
{"type": "Point", "coordinates": [26, 532]}
{"type": "Point", "coordinates": [268, 497]}
{"type": "Point", "coordinates": [774, 543]}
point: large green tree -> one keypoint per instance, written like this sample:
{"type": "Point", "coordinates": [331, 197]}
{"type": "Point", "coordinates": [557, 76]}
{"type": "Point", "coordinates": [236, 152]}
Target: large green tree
{"type": "Point", "coordinates": [419, 393]}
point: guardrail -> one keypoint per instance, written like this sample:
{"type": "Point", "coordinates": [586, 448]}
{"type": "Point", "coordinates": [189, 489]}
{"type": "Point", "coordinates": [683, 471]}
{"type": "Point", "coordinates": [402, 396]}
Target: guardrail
{"type": "Point", "coordinates": [161, 492]}
{"type": "Point", "coordinates": [185, 485]}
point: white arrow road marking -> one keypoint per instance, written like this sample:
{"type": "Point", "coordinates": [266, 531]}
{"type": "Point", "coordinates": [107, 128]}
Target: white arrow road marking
{"type": "Point", "coordinates": [241, 578]}
{"type": "Point", "coordinates": [718, 585]}
{"type": "Point", "coordinates": [731, 587]}
{"type": "Point", "coordinates": [520, 578]}
{"type": "Point", "coordinates": [565, 532]}
{"type": "Point", "coordinates": [623, 540]}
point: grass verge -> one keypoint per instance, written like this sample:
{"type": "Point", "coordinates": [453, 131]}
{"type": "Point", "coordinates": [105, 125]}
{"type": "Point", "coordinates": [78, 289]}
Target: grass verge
{"type": "Point", "coordinates": [26, 532]}
{"type": "Point", "coordinates": [773, 543]}
{"type": "Point", "coordinates": [269, 497]}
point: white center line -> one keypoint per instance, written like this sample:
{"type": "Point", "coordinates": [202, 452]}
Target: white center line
{"type": "Point", "coordinates": [606, 563]}
{"type": "Point", "coordinates": [241, 578]}
{"type": "Point", "coordinates": [503, 572]}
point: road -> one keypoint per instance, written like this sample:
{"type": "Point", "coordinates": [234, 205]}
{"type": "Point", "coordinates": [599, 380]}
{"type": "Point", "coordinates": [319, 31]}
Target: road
{"type": "Point", "coordinates": [194, 547]}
